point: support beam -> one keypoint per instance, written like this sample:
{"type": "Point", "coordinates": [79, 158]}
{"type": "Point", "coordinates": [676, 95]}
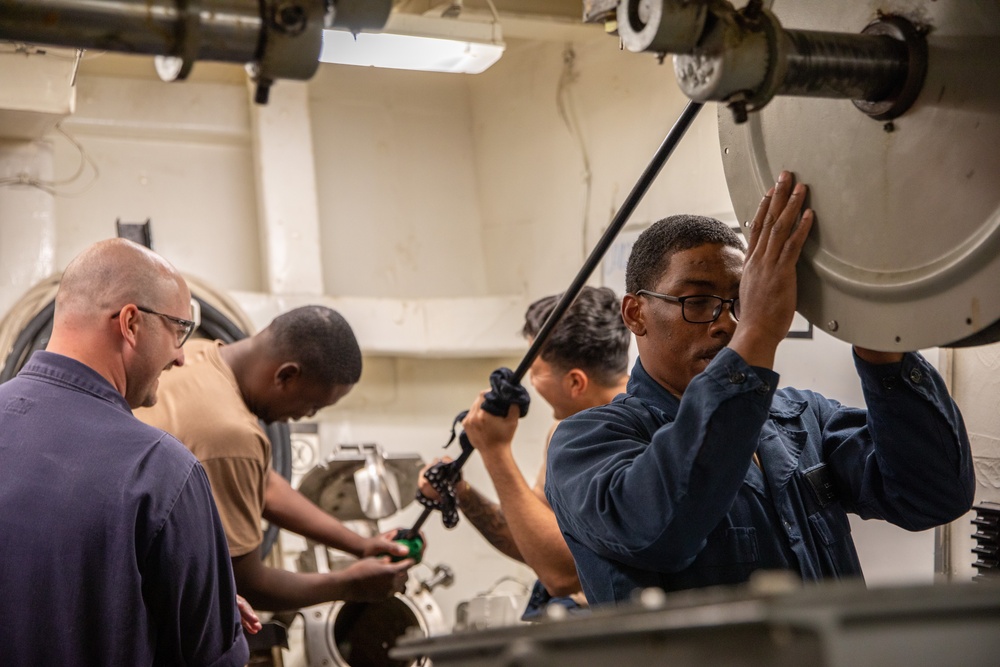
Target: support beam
{"type": "Point", "coordinates": [285, 175]}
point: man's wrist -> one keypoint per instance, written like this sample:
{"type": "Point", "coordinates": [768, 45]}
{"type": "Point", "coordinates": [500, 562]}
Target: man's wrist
{"type": "Point", "coordinates": [499, 455]}
{"type": "Point", "coordinates": [463, 491]}
{"type": "Point", "coordinates": [358, 547]}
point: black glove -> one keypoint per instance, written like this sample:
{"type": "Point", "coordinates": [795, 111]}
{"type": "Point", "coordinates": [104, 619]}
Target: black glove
{"type": "Point", "coordinates": [443, 476]}
{"type": "Point", "coordinates": [504, 392]}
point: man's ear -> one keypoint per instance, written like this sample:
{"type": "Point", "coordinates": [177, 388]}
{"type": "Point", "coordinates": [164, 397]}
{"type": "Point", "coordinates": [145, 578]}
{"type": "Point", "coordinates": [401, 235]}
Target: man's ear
{"type": "Point", "coordinates": [633, 315]}
{"type": "Point", "coordinates": [287, 372]}
{"type": "Point", "coordinates": [128, 324]}
{"type": "Point", "coordinates": [577, 382]}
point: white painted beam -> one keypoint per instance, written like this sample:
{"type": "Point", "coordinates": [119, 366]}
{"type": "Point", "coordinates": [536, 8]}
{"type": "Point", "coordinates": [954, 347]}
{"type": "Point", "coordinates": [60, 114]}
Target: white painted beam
{"type": "Point", "coordinates": [285, 176]}
{"type": "Point", "coordinates": [432, 328]}
{"type": "Point", "coordinates": [36, 90]}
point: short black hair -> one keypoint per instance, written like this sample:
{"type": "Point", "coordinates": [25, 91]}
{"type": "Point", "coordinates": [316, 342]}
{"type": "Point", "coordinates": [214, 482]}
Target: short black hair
{"type": "Point", "coordinates": [652, 251]}
{"type": "Point", "coordinates": [590, 336]}
{"type": "Point", "coordinates": [321, 340]}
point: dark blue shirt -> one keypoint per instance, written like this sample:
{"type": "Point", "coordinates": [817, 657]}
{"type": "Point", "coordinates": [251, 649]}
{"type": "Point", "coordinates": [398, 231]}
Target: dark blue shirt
{"type": "Point", "coordinates": [111, 551]}
{"type": "Point", "coordinates": [651, 490]}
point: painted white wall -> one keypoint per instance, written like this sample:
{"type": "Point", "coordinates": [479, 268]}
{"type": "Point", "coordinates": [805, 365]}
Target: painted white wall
{"type": "Point", "coordinates": [179, 155]}
{"type": "Point", "coordinates": [27, 219]}
{"type": "Point", "coordinates": [397, 187]}
{"type": "Point", "coordinates": [539, 218]}
{"type": "Point", "coordinates": [976, 387]}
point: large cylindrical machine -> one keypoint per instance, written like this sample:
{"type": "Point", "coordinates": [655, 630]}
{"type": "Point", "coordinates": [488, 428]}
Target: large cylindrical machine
{"type": "Point", "coordinates": [906, 250]}
{"type": "Point", "coordinates": [890, 112]}
{"type": "Point", "coordinates": [361, 634]}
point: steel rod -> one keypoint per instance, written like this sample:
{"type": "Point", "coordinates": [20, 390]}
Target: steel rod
{"type": "Point", "coordinates": [638, 191]}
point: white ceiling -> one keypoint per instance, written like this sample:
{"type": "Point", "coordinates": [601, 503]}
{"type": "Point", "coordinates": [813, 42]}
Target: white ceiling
{"type": "Point", "coordinates": [562, 9]}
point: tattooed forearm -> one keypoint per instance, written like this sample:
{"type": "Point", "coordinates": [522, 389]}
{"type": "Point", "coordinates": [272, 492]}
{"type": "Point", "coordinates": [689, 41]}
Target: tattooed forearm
{"type": "Point", "coordinates": [487, 517]}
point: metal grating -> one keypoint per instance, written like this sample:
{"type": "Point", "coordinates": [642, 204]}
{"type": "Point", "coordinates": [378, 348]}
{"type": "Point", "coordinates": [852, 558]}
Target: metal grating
{"type": "Point", "coordinates": [987, 536]}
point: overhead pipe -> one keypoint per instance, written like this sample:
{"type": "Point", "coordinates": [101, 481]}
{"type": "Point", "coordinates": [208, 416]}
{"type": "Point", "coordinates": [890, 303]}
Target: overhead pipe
{"type": "Point", "coordinates": [276, 39]}
{"type": "Point", "coordinates": [745, 58]}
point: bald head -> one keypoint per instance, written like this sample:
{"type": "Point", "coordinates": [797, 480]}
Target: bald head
{"type": "Point", "coordinates": [112, 273]}
{"type": "Point", "coordinates": [113, 311]}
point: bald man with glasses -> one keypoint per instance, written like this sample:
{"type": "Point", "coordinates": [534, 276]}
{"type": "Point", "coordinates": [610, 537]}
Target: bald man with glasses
{"type": "Point", "coordinates": [111, 549]}
{"type": "Point", "coordinates": [704, 471]}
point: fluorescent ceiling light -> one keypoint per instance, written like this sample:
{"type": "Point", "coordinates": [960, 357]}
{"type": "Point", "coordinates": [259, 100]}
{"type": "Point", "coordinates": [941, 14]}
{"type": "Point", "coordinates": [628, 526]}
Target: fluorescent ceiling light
{"type": "Point", "coordinates": [409, 41]}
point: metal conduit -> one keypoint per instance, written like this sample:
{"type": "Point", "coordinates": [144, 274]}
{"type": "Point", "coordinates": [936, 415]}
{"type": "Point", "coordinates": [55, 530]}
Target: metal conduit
{"type": "Point", "coordinates": [227, 30]}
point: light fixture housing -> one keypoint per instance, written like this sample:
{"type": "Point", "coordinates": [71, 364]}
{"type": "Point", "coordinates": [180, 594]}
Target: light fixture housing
{"type": "Point", "coordinates": [414, 42]}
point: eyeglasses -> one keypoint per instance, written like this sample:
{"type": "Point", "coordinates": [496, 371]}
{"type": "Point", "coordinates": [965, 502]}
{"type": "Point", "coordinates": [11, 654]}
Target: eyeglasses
{"type": "Point", "coordinates": [186, 327]}
{"type": "Point", "coordinates": [699, 308]}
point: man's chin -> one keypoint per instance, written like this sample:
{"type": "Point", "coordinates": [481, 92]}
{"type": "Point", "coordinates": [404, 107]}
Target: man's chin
{"type": "Point", "coordinates": [701, 364]}
{"type": "Point", "coordinates": [709, 358]}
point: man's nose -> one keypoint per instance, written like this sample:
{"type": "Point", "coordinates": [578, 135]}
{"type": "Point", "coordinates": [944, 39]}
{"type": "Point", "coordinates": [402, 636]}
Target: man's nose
{"type": "Point", "coordinates": [726, 319]}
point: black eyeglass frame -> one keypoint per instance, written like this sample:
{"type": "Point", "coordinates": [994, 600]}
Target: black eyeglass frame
{"type": "Point", "coordinates": [189, 325]}
{"type": "Point", "coordinates": [733, 304]}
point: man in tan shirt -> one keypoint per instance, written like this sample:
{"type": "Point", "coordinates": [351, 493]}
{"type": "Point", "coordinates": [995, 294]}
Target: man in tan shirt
{"type": "Point", "coordinates": [305, 360]}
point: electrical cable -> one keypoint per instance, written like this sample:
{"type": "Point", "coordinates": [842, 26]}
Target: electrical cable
{"type": "Point", "coordinates": [567, 111]}
{"type": "Point", "coordinates": [51, 186]}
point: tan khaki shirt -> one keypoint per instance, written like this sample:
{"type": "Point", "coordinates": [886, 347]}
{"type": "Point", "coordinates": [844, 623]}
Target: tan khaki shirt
{"type": "Point", "coordinates": [200, 404]}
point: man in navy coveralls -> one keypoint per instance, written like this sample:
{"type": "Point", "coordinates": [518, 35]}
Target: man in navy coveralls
{"type": "Point", "coordinates": [704, 471]}
{"type": "Point", "coordinates": [111, 550]}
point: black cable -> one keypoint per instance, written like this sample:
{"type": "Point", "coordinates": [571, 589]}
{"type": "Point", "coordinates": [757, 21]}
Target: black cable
{"type": "Point", "coordinates": [34, 336]}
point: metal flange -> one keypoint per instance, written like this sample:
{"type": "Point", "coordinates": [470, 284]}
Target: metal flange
{"type": "Point", "coordinates": [905, 252]}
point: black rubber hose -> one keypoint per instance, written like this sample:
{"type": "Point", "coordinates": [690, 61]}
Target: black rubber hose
{"type": "Point", "coordinates": [33, 336]}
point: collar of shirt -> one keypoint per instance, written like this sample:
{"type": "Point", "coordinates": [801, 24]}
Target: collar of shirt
{"type": "Point", "coordinates": [62, 370]}
{"type": "Point", "coordinates": [641, 385]}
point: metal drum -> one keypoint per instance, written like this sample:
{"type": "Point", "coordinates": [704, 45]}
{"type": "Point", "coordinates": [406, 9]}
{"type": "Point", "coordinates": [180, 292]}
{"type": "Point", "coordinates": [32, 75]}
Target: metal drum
{"type": "Point", "coordinates": [361, 484]}
{"type": "Point", "coordinates": [361, 634]}
{"type": "Point", "coordinates": [905, 252]}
